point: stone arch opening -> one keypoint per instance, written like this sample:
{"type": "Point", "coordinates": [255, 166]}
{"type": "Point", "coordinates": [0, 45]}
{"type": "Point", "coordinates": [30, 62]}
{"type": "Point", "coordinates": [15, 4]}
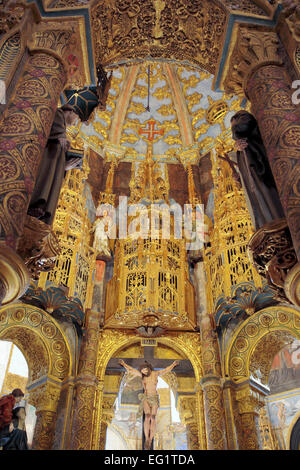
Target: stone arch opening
{"type": "Point", "coordinates": [253, 357]}
{"type": "Point", "coordinates": [181, 383]}
{"type": "Point", "coordinates": [47, 352]}
{"type": "Point", "coordinates": [268, 330]}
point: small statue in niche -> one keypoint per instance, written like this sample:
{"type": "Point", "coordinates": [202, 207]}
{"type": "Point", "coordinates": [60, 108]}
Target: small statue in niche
{"type": "Point", "coordinates": [102, 229]}
{"type": "Point", "coordinates": [255, 171]}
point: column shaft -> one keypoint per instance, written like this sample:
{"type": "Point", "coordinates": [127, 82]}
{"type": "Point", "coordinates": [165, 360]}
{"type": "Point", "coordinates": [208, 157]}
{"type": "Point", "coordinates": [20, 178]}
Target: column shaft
{"type": "Point", "coordinates": [86, 386]}
{"type": "Point", "coordinates": [270, 93]}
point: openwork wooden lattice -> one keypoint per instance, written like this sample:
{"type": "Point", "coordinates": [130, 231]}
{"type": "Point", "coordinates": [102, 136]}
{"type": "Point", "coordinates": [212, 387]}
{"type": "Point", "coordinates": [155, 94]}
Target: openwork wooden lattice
{"type": "Point", "coordinates": [150, 285]}
{"type": "Point", "coordinates": [227, 261]}
{"type": "Point", "coordinates": [75, 266]}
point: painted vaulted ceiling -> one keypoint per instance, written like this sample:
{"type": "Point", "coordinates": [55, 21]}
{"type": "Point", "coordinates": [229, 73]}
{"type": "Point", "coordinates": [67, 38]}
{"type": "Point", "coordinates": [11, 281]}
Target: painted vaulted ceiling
{"type": "Point", "coordinates": [167, 61]}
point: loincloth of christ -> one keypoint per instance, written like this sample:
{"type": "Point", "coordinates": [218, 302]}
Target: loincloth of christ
{"type": "Point", "coordinates": [151, 400]}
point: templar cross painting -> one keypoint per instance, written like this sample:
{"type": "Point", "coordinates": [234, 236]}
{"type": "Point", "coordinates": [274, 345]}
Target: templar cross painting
{"type": "Point", "coordinates": [150, 132]}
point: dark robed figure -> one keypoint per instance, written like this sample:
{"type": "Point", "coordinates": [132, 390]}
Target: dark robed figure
{"type": "Point", "coordinates": [52, 167]}
{"type": "Point", "coordinates": [255, 170]}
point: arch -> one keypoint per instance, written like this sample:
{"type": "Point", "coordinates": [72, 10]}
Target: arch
{"type": "Point", "coordinates": [273, 327]}
{"type": "Point", "coordinates": [112, 341]}
{"type": "Point", "coordinates": [40, 338]}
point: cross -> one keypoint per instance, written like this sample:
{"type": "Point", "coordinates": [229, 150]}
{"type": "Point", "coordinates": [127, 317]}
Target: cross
{"type": "Point", "coordinates": [150, 131]}
{"type": "Point", "coordinates": [184, 367]}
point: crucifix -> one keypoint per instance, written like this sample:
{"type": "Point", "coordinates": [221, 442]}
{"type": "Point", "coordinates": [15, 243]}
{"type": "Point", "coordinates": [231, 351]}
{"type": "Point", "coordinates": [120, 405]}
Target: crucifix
{"type": "Point", "coordinates": [149, 369]}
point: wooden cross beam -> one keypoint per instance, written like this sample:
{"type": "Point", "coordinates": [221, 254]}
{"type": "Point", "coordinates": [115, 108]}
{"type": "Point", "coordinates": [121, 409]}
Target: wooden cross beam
{"type": "Point", "coordinates": [184, 367]}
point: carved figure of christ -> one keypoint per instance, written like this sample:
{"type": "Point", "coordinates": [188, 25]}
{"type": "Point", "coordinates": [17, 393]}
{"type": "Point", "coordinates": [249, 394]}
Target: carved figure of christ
{"type": "Point", "coordinates": [150, 398]}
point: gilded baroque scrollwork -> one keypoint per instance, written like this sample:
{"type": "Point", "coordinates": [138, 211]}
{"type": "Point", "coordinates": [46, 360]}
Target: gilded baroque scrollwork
{"type": "Point", "coordinates": [124, 29]}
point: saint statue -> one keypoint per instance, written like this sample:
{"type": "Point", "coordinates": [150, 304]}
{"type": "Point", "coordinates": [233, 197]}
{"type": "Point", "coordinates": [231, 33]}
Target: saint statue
{"type": "Point", "coordinates": [52, 167]}
{"type": "Point", "coordinates": [13, 434]}
{"type": "Point", "coordinates": [254, 167]}
{"type": "Point", "coordinates": [101, 229]}
{"type": "Point", "coordinates": [150, 398]}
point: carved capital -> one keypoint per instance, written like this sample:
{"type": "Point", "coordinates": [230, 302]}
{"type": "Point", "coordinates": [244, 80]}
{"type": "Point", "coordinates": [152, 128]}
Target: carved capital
{"type": "Point", "coordinates": [253, 49]}
{"type": "Point", "coordinates": [38, 246]}
{"type": "Point", "coordinates": [45, 397]}
{"type": "Point", "coordinates": [291, 12]}
{"type": "Point", "coordinates": [108, 407]}
{"type": "Point", "coordinates": [272, 254]}
{"type": "Point", "coordinates": [249, 401]}
{"type": "Point", "coordinates": [52, 37]}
